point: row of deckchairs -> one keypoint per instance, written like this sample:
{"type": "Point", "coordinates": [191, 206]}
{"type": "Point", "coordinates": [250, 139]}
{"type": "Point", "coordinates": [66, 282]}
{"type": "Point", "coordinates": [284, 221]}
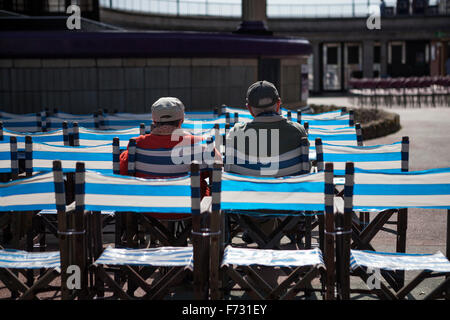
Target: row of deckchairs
{"type": "Point", "coordinates": [45, 122]}
{"type": "Point", "coordinates": [104, 157]}
{"type": "Point", "coordinates": [340, 254]}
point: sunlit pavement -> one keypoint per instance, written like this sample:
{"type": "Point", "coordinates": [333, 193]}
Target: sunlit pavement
{"type": "Point", "coordinates": [429, 135]}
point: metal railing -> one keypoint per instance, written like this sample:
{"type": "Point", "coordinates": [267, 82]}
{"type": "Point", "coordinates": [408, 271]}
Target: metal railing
{"type": "Point", "coordinates": [275, 8]}
{"type": "Point", "coordinates": [178, 7]}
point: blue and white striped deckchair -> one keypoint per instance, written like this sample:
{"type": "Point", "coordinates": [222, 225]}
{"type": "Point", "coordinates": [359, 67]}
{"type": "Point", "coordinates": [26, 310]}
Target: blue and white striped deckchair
{"type": "Point", "coordinates": [8, 115]}
{"type": "Point", "coordinates": [201, 115]}
{"type": "Point", "coordinates": [89, 123]}
{"type": "Point", "coordinates": [349, 136]}
{"type": "Point", "coordinates": [12, 260]}
{"type": "Point", "coordinates": [30, 123]}
{"type": "Point", "coordinates": [294, 162]}
{"type": "Point", "coordinates": [168, 162]}
{"type": "Point", "coordinates": [129, 194]}
{"type": "Point", "coordinates": [90, 137]}
{"type": "Point", "coordinates": [386, 158]}
{"type": "Point", "coordinates": [55, 137]}
{"type": "Point", "coordinates": [34, 193]}
{"type": "Point", "coordinates": [285, 195]}
{"type": "Point", "coordinates": [74, 117]}
{"type": "Point", "coordinates": [41, 191]}
{"type": "Point", "coordinates": [116, 122]}
{"type": "Point", "coordinates": [18, 259]}
{"type": "Point", "coordinates": [294, 115]}
{"type": "Point", "coordinates": [28, 194]}
{"type": "Point", "coordinates": [368, 190]}
{"type": "Point", "coordinates": [40, 157]}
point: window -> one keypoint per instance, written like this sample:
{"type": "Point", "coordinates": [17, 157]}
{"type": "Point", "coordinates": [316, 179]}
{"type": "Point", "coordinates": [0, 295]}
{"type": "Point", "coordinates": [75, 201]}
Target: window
{"type": "Point", "coordinates": [353, 54]}
{"type": "Point", "coordinates": [332, 55]}
{"type": "Point", "coordinates": [377, 54]}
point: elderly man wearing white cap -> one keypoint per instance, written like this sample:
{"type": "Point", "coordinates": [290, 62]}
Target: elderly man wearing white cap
{"type": "Point", "coordinates": [167, 116]}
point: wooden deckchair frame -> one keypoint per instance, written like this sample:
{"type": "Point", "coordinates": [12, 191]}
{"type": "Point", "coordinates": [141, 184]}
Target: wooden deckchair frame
{"type": "Point", "coordinates": [247, 277]}
{"type": "Point", "coordinates": [384, 292]}
{"type": "Point", "coordinates": [136, 277]}
{"type": "Point", "coordinates": [244, 223]}
{"type": "Point", "coordinates": [158, 231]}
{"type": "Point", "coordinates": [71, 234]}
{"type": "Point", "coordinates": [364, 229]}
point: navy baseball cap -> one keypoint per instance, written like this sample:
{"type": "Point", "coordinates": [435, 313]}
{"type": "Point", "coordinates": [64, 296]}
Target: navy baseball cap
{"type": "Point", "coordinates": [262, 94]}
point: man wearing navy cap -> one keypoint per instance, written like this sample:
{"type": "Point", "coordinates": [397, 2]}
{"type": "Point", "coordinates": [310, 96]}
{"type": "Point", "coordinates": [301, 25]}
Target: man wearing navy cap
{"type": "Point", "coordinates": [263, 102]}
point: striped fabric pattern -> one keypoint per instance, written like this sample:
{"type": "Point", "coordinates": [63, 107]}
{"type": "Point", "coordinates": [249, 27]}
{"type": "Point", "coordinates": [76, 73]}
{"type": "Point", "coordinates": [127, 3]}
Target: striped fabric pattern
{"type": "Point", "coordinates": [385, 158]}
{"type": "Point", "coordinates": [5, 156]}
{"type": "Point", "coordinates": [271, 258]}
{"type": "Point", "coordinates": [130, 194]}
{"type": "Point", "coordinates": [54, 137]}
{"type": "Point", "coordinates": [34, 193]}
{"type": "Point", "coordinates": [28, 123]}
{"type": "Point", "coordinates": [99, 158]}
{"type": "Point", "coordinates": [319, 116]}
{"type": "Point", "coordinates": [342, 137]}
{"type": "Point", "coordinates": [336, 123]}
{"type": "Point", "coordinates": [117, 122]}
{"type": "Point", "coordinates": [293, 162]}
{"type": "Point", "coordinates": [17, 259]}
{"type": "Point", "coordinates": [399, 261]}
{"type": "Point", "coordinates": [163, 257]}
{"type": "Point", "coordinates": [89, 137]}
{"type": "Point", "coordinates": [301, 193]}
{"type": "Point", "coordinates": [428, 189]}
{"type": "Point", "coordinates": [171, 162]}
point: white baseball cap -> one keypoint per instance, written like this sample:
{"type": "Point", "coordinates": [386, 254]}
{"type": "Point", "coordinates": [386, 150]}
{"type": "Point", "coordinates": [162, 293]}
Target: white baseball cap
{"type": "Point", "coordinates": [167, 109]}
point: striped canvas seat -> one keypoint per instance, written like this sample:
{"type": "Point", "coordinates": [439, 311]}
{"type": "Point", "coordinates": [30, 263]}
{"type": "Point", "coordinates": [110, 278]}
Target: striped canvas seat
{"type": "Point", "coordinates": [429, 189]}
{"type": "Point", "coordinates": [283, 194]}
{"type": "Point", "coordinates": [341, 137]}
{"type": "Point", "coordinates": [34, 193]}
{"type": "Point", "coordinates": [55, 137]}
{"type": "Point", "coordinates": [294, 162]}
{"type": "Point", "coordinates": [89, 122]}
{"type": "Point", "coordinates": [117, 122]}
{"type": "Point", "coordinates": [399, 261]}
{"type": "Point", "coordinates": [271, 258]}
{"type": "Point", "coordinates": [72, 117]}
{"type": "Point", "coordinates": [99, 158]}
{"type": "Point", "coordinates": [382, 191]}
{"type": "Point", "coordinates": [8, 156]}
{"type": "Point", "coordinates": [30, 123]}
{"type": "Point", "coordinates": [91, 137]}
{"type": "Point", "coordinates": [160, 257]}
{"type": "Point", "coordinates": [319, 116]}
{"type": "Point", "coordinates": [17, 259]}
{"type": "Point", "coordinates": [386, 158]}
{"type": "Point", "coordinates": [168, 162]}
{"type": "Point", "coordinates": [339, 122]}
{"type": "Point", "coordinates": [129, 194]}
{"type": "Point", "coordinates": [206, 115]}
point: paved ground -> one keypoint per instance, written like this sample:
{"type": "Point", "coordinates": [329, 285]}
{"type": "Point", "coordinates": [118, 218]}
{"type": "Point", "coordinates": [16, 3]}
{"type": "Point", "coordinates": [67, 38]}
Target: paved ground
{"type": "Point", "coordinates": [429, 133]}
{"type": "Point", "coordinates": [428, 130]}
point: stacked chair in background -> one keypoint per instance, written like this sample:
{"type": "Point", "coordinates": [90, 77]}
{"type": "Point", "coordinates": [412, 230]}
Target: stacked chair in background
{"type": "Point", "coordinates": [389, 92]}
